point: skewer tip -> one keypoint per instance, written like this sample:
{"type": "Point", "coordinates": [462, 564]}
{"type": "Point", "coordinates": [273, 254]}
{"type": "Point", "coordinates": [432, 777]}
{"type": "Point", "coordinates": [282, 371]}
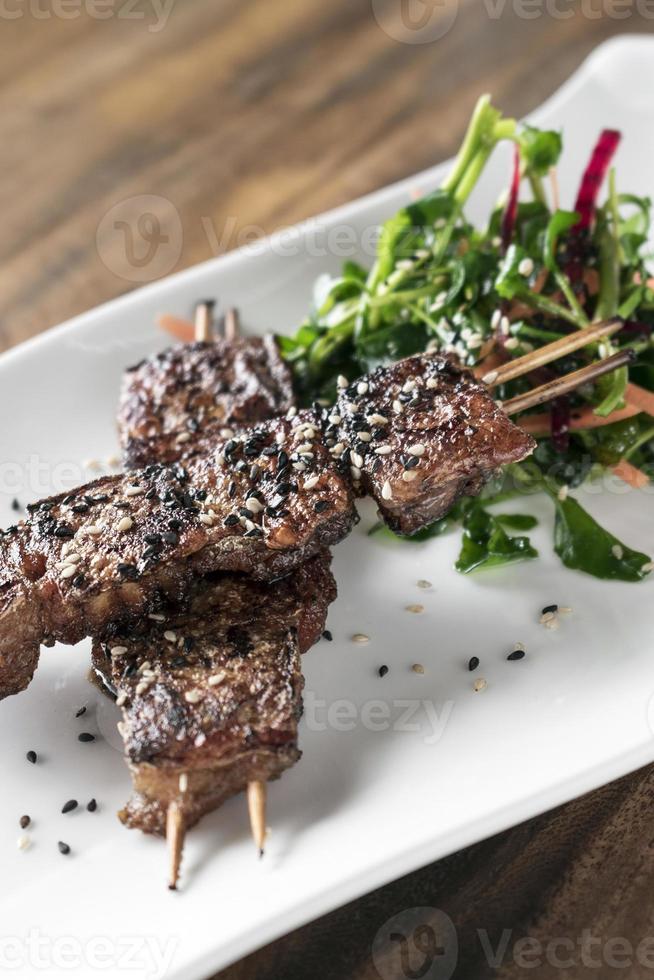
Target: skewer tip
{"type": "Point", "coordinates": [257, 809]}
{"type": "Point", "coordinates": [175, 840]}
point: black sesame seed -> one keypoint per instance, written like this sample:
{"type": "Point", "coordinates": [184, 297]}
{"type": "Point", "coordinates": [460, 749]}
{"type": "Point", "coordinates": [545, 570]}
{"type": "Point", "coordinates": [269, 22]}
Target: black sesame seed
{"type": "Point", "coordinates": [69, 806]}
{"type": "Point", "coordinates": [412, 462]}
{"type": "Point", "coordinates": [175, 525]}
{"type": "Point", "coordinates": [63, 531]}
{"type": "Point", "coordinates": [63, 847]}
{"type": "Point", "coordinates": [170, 537]}
{"type": "Point", "coordinates": [516, 655]}
{"type": "Point", "coordinates": [92, 806]}
{"type": "Point", "coordinates": [25, 821]}
{"type": "Point", "coordinates": [383, 670]}
{"type": "Point", "coordinates": [283, 489]}
{"type": "Point", "coordinates": [153, 539]}
{"type": "Point", "coordinates": [231, 520]}
{"type": "Point", "coordinates": [549, 609]}
{"type": "Point", "coordinates": [31, 756]}
{"type": "Point", "coordinates": [15, 504]}
{"type": "Point", "coordinates": [179, 662]}
{"type": "Point", "coordinates": [85, 737]}
{"type": "Point", "coordinates": [79, 581]}
{"type": "Point", "coordinates": [327, 635]}
{"type": "Point", "coordinates": [127, 570]}
{"type": "Point", "coordinates": [473, 663]}
{"type": "Point", "coordinates": [231, 490]}
{"type": "Point", "coordinates": [80, 711]}
{"type": "Point", "coordinates": [254, 532]}
{"type": "Point", "coordinates": [81, 508]}
{"type": "Point", "coordinates": [321, 506]}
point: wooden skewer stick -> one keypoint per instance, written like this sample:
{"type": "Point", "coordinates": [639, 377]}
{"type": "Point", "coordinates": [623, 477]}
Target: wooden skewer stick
{"type": "Point", "coordinates": [257, 806]}
{"type": "Point", "coordinates": [175, 839]}
{"type": "Point", "coordinates": [552, 352]}
{"type": "Point", "coordinates": [232, 324]}
{"type": "Point", "coordinates": [569, 382]}
{"type": "Point", "coordinates": [203, 320]}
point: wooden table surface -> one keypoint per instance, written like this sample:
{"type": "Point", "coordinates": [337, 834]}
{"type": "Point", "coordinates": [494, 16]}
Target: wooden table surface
{"type": "Point", "coordinates": [254, 115]}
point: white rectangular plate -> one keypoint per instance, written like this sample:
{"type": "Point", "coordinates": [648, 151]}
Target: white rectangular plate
{"type": "Point", "coordinates": [396, 771]}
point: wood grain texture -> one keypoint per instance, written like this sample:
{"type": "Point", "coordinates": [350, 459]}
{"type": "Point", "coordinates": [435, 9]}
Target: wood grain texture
{"type": "Point", "coordinates": [252, 116]}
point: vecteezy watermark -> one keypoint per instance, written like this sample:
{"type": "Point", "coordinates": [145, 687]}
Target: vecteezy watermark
{"type": "Point", "coordinates": [565, 9]}
{"type": "Point", "coordinates": [418, 944]}
{"type": "Point", "coordinates": [140, 239]}
{"type": "Point", "coordinates": [415, 21]}
{"type": "Point", "coordinates": [153, 14]}
{"type": "Point", "coordinates": [146, 956]}
{"type": "Point", "coordinates": [415, 716]}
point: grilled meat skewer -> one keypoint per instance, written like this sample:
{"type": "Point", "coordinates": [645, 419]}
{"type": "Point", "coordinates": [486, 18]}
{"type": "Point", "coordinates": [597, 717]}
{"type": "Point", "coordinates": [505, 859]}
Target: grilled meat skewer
{"type": "Point", "coordinates": [211, 692]}
{"type": "Point", "coordinates": [293, 477]}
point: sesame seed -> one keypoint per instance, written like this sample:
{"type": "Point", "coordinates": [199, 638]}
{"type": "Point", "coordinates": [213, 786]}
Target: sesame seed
{"type": "Point", "coordinates": [69, 806]}
{"type": "Point", "coordinates": [342, 381]}
{"type": "Point", "coordinates": [170, 636]}
{"type": "Point", "coordinates": [23, 842]}
{"type": "Point", "coordinates": [25, 821]}
{"type": "Point", "coordinates": [335, 419]}
{"type": "Point", "coordinates": [31, 756]}
{"type": "Point", "coordinates": [563, 492]}
{"type": "Point", "coordinates": [142, 687]}
{"type": "Point", "coordinates": [565, 609]}
{"type": "Point", "coordinates": [387, 491]}
{"type": "Point", "coordinates": [338, 449]}
{"type": "Point", "coordinates": [360, 638]}
{"type": "Point", "coordinates": [516, 654]}
{"type": "Point", "coordinates": [432, 383]}
{"type": "Point", "coordinates": [118, 651]}
{"type": "Point", "coordinates": [526, 267]}
{"type": "Point", "coordinates": [125, 524]}
{"type": "Point", "coordinates": [327, 635]}
{"type": "Point", "coordinates": [511, 343]}
{"type": "Point", "coordinates": [617, 551]}
{"type": "Point", "coordinates": [85, 737]}
{"type": "Point", "coordinates": [423, 583]}
{"type": "Point", "coordinates": [362, 388]}
{"type": "Point", "coordinates": [376, 419]}
{"type": "Point", "coordinates": [157, 617]}
{"type": "Point", "coordinates": [355, 473]}
{"type": "Point", "coordinates": [311, 482]}
{"type": "Point", "coordinates": [199, 740]}
{"type": "Point", "coordinates": [69, 571]}
{"type": "Point", "coordinates": [91, 464]}
{"type": "Point", "coordinates": [547, 617]}
{"type": "Point", "coordinates": [417, 668]}
{"type": "Point", "coordinates": [473, 663]}
{"type": "Point", "coordinates": [183, 437]}
{"type": "Point", "coordinates": [121, 699]}
{"type": "Point", "coordinates": [183, 782]}
{"type": "Point", "coordinates": [409, 475]}
{"type": "Point", "coordinates": [63, 847]}
{"type": "Point", "coordinates": [93, 529]}
{"type": "Point", "coordinates": [133, 491]}
{"type": "Point", "coordinates": [415, 607]}
{"type": "Point", "coordinates": [383, 670]}
{"type": "Point", "coordinates": [364, 436]}
{"type": "Point", "coordinates": [398, 407]}
{"type": "Point", "coordinates": [384, 450]}
{"type": "Point", "coordinates": [479, 685]}
{"type": "Point", "coordinates": [418, 449]}
{"type": "Point", "coordinates": [216, 679]}
{"type": "Point", "coordinates": [647, 567]}
{"type": "Point", "coordinates": [495, 319]}
{"type": "Point", "coordinates": [206, 519]}
{"type": "Point", "coordinates": [505, 326]}
{"type": "Point", "coordinates": [356, 459]}
{"type": "Point", "coordinates": [253, 505]}
{"type": "Point", "coordinates": [92, 806]}
{"type": "Point", "coordinates": [489, 378]}
{"type": "Point", "coordinates": [80, 711]}
{"type": "Point", "coordinates": [194, 696]}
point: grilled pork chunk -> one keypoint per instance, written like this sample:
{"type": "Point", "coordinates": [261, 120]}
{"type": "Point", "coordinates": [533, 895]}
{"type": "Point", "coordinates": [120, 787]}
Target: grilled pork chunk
{"type": "Point", "coordinates": [211, 693]}
{"type": "Point", "coordinates": [421, 434]}
{"type": "Point", "coordinates": [181, 402]}
{"type": "Point", "coordinates": [262, 502]}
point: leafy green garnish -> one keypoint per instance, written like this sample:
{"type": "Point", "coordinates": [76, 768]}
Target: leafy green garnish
{"type": "Point", "coordinates": [582, 543]}
{"type": "Point", "coordinates": [487, 545]}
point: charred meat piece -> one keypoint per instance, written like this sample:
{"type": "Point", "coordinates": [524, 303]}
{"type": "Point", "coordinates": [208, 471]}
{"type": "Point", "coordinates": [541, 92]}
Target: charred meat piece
{"type": "Point", "coordinates": [261, 503]}
{"type": "Point", "coordinates": [420, 434]}
{"type": "Point", "coordinates": [182, 401]}
{"type": "Point", "coordinates": [211, 693]}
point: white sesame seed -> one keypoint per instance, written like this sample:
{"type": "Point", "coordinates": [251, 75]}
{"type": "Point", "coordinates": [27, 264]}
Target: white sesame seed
{"type": "Point", "coordinates": [300, 467]}
{"type": "Point", "coordinates": [505, 325]}
{"type": "Point", "coordinates": [216, 679]}
{"type": "Point", "coordinates": [568, 609]}
{"type": "Point", "coordinates": [499, 403]}
{"type": "Point", "coordinates": [206, 519]}
{"type": "Point", "coordinates": [249, 525]}
{"type": "Point", "coordinates": [142, 687]}
{"type": "Point", "coordinates": [417, 449]}
{"type": "Point", "coordinates": [415, 607]}
{"type": "Point", "coordinates": [118, 651]}
{"type": "Point", "coordinates": [409, 476]}
{"type": "Point", "coordinates": [526, 267]}
{"type": "Point", "coordinates": [495, 319]}
{"type": "Point", "coordinates": [335, 419]}
{"type": "Point", "coordinates": [511, 343]}
{"type": "Point", "coordinates": [564, 490]}
{"type": "Point", "coordinates": [122, 728]}
{"type": "Point", "coordinates": [93, 529]}
{"type": "Point", "coordinates": [376, 419]}
{"type": "Point", "coordinates": [432, 383]}
{"type": "Point", "coordinates": [134, 491]}
{"type": "Point", "coordinates": [183, 782]}
{"type": "Point", "coordinates": [183, 437]}
{"type": "Point", "coordinates": [356, 459]}
{"type": "Point", "coordinates": [418, 669]}
{"type": "Point", "coordinates": [194, 696]}
{"type": "Point", "coordinates": [157, 617]}
{"type": "Point", "coordinates": [121, 699]}
{"type": "Point", "coordinates": [306, 447]}
{"type": "Point", "coordinates": [126, 524]}
{"type": "Point", "coordinates": [292, 412]}
{"type": "Point", "coordinates": [423, 583]}
{"type": "Point", "coordinates": [355, 472]}
{"type": "Point", "coordinates": [91, 464]}
{"type": "Point", "coordinates": [364, 436]}
{"type": "Point", "coordinates": [253, 505]}
{"type": "Point", "coordinates": [170, 636]}
{"type": "Point", "coordinates": [480, 685]}
{"type": "Point", "coordinates": [384, 450]}
{"type": "Point", "coordinates": [489, 378]}
{"type": "Point", "coordinates": [23, 842]}
{"type": "Point", "coordinates": [387, 491]}
{"type": "Point", "coordinates": [311, 482]}
{"type": "Point", "coordinates": [199, 740]}
{"type": "Point", "coordinates": [337, 450]}
{"type": "Point", "coordinates": [227, 433]}
{"type": "Point", "coordinates": [342, 381]}
{"type": "Point", "coordinates": [647, 567]}
{"type": "Point", "coordinates": [362, 388]}
{"type": "Point", "coordinates": [69, 571]}
{"type": "Point", "coordinates": [360, 638]}
{"type": "Point", "coordinates": [547, 617]}
{"type": "Point", "coordinates": [398, 407]}
{"type": "Point", "coordinates": [475, 341]}
{"type": "Point", "coordinates": [113, 461]}
{"type": "Point", "coordinates": [617, 551]}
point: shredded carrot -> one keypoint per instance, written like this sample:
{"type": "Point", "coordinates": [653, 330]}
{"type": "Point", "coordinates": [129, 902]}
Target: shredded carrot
{"type": "Point", "coordinates": [630, 474]}
{"type": "Point", "coordinates": [643, 399]}
{"type": "Point", "coordinates": [175, 325]}
{"type": "Point", "coordinates": [539, 423]}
